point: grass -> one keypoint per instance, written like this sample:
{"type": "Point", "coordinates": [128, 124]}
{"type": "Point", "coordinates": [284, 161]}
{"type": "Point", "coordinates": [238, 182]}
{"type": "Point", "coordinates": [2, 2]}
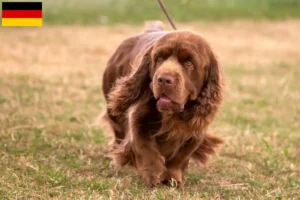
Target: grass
{"type": "Point", "coordinates": [136, 11]}
{"type": "Point", "coordinates": [50, 97]}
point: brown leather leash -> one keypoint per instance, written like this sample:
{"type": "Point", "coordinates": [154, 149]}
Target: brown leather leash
{"type": "Point", "coordinates": [167, 15]}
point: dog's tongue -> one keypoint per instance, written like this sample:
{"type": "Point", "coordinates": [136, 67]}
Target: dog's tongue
{"type": "Point", "coordinates": [164, 98]}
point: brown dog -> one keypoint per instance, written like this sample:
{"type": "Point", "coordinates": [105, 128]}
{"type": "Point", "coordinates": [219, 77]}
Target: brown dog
{"type": "Point", "coordinates": [163, 89]}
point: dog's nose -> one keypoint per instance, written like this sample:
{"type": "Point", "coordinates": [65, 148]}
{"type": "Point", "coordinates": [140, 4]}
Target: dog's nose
{"type": "Point", "coordinates": [165, 79]}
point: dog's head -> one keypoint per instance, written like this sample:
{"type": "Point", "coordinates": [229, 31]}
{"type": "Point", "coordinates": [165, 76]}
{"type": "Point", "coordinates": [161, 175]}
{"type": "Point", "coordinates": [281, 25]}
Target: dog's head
{"type": "Point", "coordinates": [181, 72]}
{"type": "Point", "coordinates": [181, 64]}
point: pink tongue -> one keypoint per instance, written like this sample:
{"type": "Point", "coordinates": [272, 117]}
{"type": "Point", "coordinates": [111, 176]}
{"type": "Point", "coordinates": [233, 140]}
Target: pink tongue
{"type": "Point", "coordinates": [164, 98]}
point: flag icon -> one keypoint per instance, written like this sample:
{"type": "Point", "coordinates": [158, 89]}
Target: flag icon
{"type": "Point", "coordinates": [22, 14]}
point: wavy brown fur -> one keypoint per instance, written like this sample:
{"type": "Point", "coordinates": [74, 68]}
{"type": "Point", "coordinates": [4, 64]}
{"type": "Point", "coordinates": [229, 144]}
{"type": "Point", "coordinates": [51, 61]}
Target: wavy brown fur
{"type": "Point", "coordinates": [150, 134]}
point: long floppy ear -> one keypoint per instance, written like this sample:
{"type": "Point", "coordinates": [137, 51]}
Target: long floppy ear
{"type": "Point", "coordinates": [210, 97]}
{"type": "Point", "coordinates": [130, 88]}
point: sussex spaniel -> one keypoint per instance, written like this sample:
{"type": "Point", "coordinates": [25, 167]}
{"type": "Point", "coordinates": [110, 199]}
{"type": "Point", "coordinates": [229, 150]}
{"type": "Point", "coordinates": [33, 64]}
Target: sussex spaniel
{"type": "Point", "coordinates": [163, 89]}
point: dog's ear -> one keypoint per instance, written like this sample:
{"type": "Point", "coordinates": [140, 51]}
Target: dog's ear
{"type": "Point", "coordinates": [210, 97]}
{"type": "Point", "coordinates": [129, 89]}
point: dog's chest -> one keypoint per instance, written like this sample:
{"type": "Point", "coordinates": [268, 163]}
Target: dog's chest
{"type": "Point", "coordinates": [170, 142]}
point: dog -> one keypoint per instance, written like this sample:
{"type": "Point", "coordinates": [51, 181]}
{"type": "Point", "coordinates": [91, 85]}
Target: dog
{"type": "Point", "coordinates": [163, 89]}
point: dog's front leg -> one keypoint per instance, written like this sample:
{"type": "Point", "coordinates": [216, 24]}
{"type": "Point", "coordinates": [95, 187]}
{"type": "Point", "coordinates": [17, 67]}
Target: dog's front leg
{"type": "Point", "coordinates": [148, 160]}
{"type": "Point", "coordinates": [177, 165]}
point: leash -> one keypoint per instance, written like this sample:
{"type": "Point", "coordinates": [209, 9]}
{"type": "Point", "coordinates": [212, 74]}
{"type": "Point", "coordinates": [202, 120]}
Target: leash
{"type": "Point", "coordinates": [166, 13]}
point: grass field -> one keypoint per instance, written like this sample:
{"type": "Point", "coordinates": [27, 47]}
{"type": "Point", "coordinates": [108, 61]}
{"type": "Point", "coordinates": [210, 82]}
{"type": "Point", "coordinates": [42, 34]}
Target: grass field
{"type": "Point", "coordinates": [136, 11]}
{"type": "Point", "coordinates": [50, 97]}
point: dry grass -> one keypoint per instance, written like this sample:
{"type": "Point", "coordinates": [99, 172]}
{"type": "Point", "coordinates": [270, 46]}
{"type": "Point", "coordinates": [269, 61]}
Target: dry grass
{"type": "Point", "coordinates": [50, 96]}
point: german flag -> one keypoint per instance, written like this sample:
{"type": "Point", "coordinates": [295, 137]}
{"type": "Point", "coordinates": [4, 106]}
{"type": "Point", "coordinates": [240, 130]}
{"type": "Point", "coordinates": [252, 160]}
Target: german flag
{"type": "Point", "coordinates": [22, 14]}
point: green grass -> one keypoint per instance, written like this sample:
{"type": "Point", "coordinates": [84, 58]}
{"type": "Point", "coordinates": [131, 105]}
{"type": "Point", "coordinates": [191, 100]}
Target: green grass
{"type": "Point", "coordinates": [136, 11]}
{"type": "Point", "coordinates": [47, 150]}
{"type": "Point", "coordinates": [50, 147]}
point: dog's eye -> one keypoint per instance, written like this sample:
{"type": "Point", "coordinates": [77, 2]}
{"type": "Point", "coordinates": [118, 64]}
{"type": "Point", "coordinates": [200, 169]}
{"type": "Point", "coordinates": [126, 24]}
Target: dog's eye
{"type": "Point", "coordinates": [159, 59]}
{"type": "Point", "coordinates": [188, 64]}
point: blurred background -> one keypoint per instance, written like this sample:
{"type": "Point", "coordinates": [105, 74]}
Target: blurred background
{"type": "Point", "coordinates": [136, 11]}
{"type": "Point", "coordinates": [51, 142]}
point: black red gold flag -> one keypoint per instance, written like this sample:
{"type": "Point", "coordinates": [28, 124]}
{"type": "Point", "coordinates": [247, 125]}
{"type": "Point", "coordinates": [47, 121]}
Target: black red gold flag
{"type": "Point", "coordinates": [22, 14]}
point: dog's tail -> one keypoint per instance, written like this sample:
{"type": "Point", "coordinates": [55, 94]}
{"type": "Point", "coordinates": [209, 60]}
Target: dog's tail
{"type": "Point", "coordinates": [208, 147]}
{"type": "Point", "coordinates": [154, 26]}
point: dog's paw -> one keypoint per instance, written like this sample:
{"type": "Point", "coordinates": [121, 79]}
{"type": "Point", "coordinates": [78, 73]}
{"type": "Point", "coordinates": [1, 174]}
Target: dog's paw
{"type": "Point", "coordinates": [152, 180]}
{"type": "Point", "coordinates": [154, 175]}
{"type": "Point", "coordinates": [174, 177]}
